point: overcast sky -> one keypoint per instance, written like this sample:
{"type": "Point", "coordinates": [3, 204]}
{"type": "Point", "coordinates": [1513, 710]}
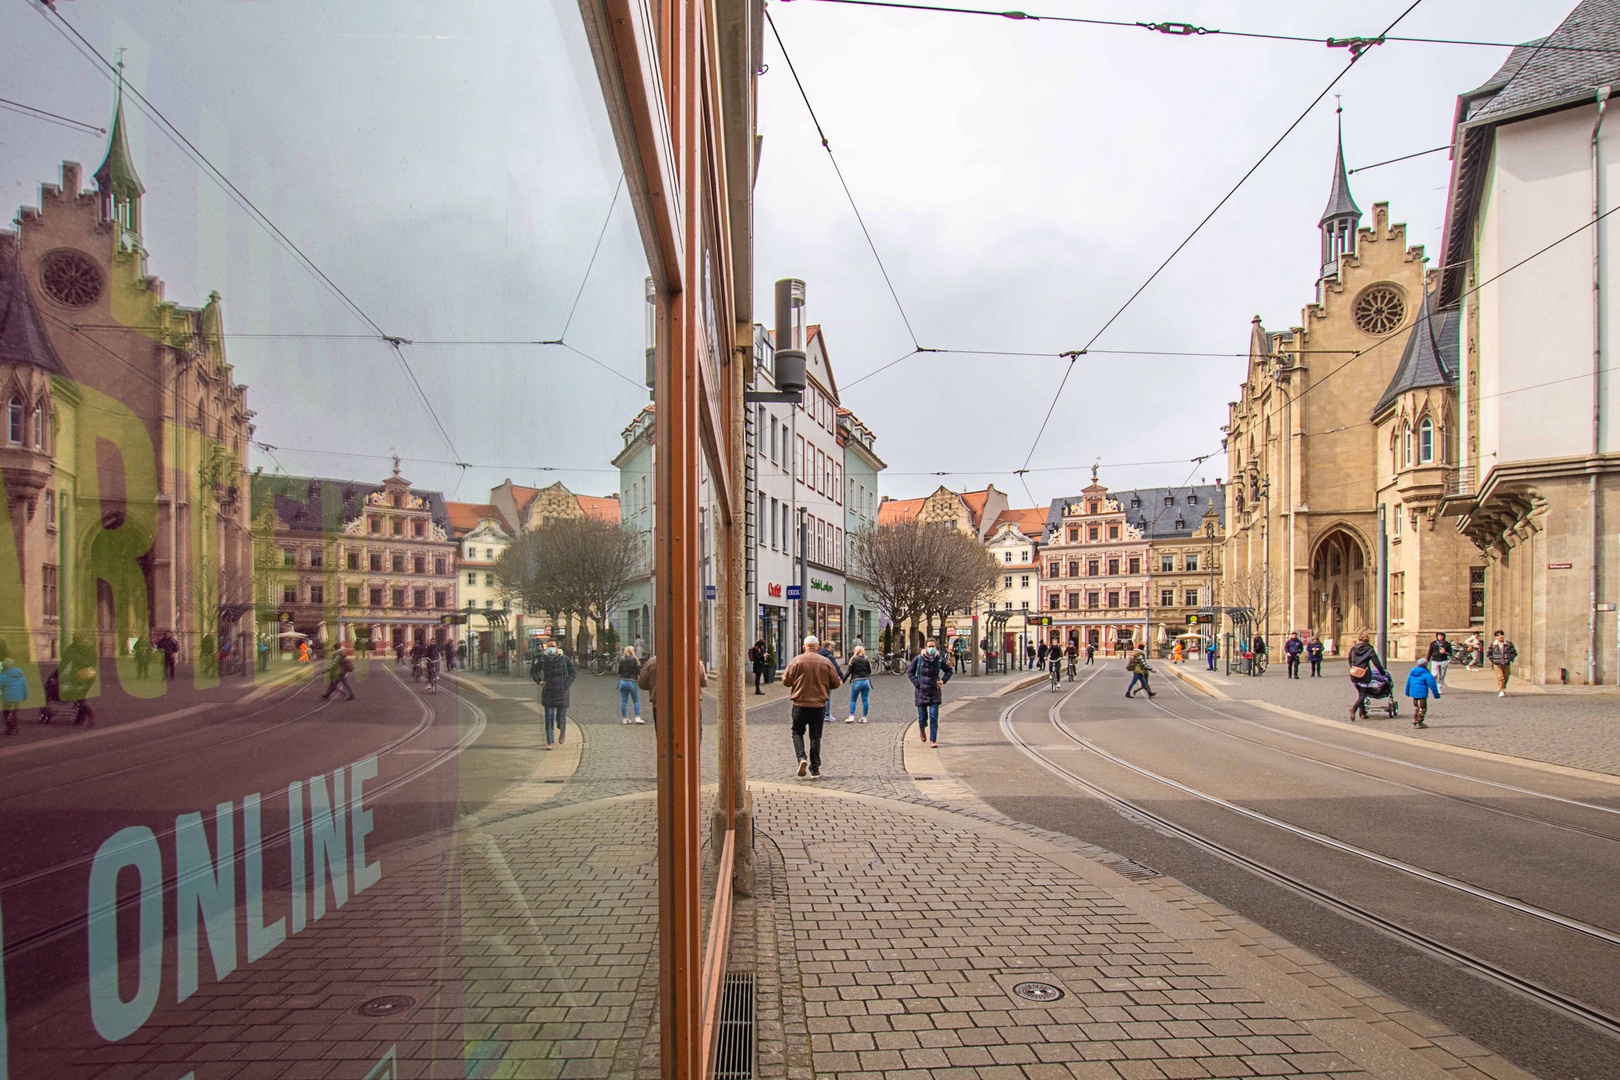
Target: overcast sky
{"type": "Point", "coordinates": [450, 167]}
{"type": "Point", "coordinates": [1021, 179]}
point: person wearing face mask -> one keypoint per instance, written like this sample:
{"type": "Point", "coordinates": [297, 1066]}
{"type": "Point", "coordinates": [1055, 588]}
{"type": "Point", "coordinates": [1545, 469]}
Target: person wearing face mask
{"type": "Point", "coordinates": [929, 673]}
{"type": "Point", "coordinates": [557, 673]}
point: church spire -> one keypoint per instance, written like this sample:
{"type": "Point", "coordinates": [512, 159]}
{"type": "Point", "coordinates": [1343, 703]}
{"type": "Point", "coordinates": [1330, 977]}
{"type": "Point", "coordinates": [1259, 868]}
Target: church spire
{"type": "Point", "coordinates": [121, 189]}
{"type": "Point", "coordinates": [1342, 216]}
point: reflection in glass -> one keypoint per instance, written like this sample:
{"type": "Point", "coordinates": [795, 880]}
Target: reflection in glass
{"type": "Point", "coordinates": [322, 397]}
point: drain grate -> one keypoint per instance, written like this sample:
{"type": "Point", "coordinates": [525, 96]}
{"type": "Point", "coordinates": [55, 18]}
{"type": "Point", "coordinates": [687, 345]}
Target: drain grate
{"type": "Point", "coordinates": [734, 1041]}
{"type": "Point", "coordinates": [387, 1005]}
{"type": "Point", "coordinates": [922, 777]}
{"type": "Point", "coordinates": [1130, 869]}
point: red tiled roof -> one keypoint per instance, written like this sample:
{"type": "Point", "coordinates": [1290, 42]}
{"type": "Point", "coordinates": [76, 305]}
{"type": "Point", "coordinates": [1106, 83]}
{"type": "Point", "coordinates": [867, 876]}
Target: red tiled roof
{"type": "Point", "coordinates": [895, 511]}
{"type": "Point", "coordinates": [1030, 522]}
{"type": "Point", "coordinates": [600, 508]}
{"type": "Point", "coordinates": [464, 517]}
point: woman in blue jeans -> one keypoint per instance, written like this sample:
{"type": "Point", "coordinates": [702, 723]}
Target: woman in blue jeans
{"type": "Point", "coordinates": [860, 684]}
{"type": "Point", "coordinates": [629, 694]}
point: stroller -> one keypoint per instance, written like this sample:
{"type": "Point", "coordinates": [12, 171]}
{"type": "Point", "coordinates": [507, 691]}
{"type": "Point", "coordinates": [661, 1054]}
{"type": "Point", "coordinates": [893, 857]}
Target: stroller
{"type": "Point", "coordinates": [1380, 686]}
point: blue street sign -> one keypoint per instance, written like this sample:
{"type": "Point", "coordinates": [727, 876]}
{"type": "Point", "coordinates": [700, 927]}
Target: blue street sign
{"type": "Point", "coordinates": [794, 592]}
{"type": "Point", "coordinates": [708, 592]}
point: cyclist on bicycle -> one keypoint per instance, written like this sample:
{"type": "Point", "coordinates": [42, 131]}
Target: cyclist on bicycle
{"type": "Point", "coordinates": [1055, 665]}
{"type": "Point", "coordinates": [1071, 654]}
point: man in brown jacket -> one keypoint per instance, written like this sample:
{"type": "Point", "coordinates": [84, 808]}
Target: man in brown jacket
{"type": "Point", "coordinates": [810, 679]}
{"type": "Point", "coordinates": [648, 681]}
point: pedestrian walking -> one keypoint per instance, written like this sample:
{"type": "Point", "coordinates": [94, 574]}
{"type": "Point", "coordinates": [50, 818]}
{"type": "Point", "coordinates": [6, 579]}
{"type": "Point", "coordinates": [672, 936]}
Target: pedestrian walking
{"type": "Point", "coordinates": [1029, 657]}
{"type": "Point", "coordinates": [810, 679]}
{"type": "Point", "coordinates": [1209, 652]}
{"type": "Point", "coordinates": [860, 684]}
{"type": "Point", "coordinates": [264, 654]}
{"type": "Point", "coordinates": [648, 681]}
{"type": "Point", "coordinates": [959, 650]}
{"type": "Point", "coordinates": [629, 691]}
{"type": "Point", "coordinates": [1137, 665]}
{"type": "Point", "coordinates": [1367, 673]}
{"type": "Point", "coordinates": [1175, 653]}
{"type": "Point", "coordinates": [833, 660]}
{"type": "Point", "coordinates": [53, 694]}
{"type": "Point", "coordinates": [338, 672]}
{"type": "Point", "coordinates": [13, 692]}
{"type": "Point", "coordinates": [641, 649]}
{"type": "Point", "coordinates": [1091, 653]}
{"type": "Point", "coordinates": [929, 673]}
{"type": "Point", "coordinates": [143, 656]}
{"type": "Point", "coordinates": [1292, 648]}
{"type": "Point", "coordinates": [1420, 684]}
{"type": "Point", "coordinates": [759, 656]}
{"type": "Point", "coordinates": [1476, 650]}
{"type": "Point", "coordinates": [1040, 655]}
{"type": "Point", "coordinates": [1439, 657]}
{"type": "Point", "coordinates": [81, 665]}
{"type": "Point", "coordinates": [1501, 655]}
{"type": "Point", "coordinates": [557, 672]}
{"type": "Point", "coordinates": [170, 649]}
{"type": "Point", "coordinates": [1313, 653]}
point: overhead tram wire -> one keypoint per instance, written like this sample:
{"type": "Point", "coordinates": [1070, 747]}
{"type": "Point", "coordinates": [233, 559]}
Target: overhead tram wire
{"type": "Point", "coordinates": [84, 47]}
{"type": "Point", "coordinates": [49, 117]}
{"type": "Point", "coordinates": [1393, 160]}
{"type": "Point", "coordinates": [1355, 55]}
{"type": "Point", "coordinates": [827, 146]}
{"type": "Point", "coordinates": [1170, 28]}
{"type": "Point", "coordinates": [583, 281]}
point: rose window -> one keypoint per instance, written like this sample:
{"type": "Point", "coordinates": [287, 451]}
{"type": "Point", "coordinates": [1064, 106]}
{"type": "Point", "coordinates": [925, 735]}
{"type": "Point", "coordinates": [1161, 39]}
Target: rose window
{"type": "Point", "coordinates": [70, 278]}
{"type": "Point", "coordinates": [1379, 310]}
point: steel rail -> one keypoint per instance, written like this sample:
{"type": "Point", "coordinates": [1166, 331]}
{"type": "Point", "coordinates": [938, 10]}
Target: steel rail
{"type": "Point", "coordinates": [1391, 781]}
{"type": "Point", "coordinates": [45, 935]}
{"type": "Point", "coordinates": [1526, 987]}
{"type": "Point", "coordinates": [1412, 764]}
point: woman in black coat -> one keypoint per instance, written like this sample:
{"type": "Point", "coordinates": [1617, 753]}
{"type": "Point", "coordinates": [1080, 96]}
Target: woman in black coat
{"type": "Point", "coordinates": [760, 658]}
{"type": "Point", "coordinates": [1365, 659]}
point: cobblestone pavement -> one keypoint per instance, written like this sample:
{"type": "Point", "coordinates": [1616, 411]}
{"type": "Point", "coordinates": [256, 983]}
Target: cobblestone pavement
{"type": "Point", "coordinates": [890, 946]}
{"type": "Point", "coordinates": [860, 757]}
{"type": "Point", "coordinates": [1579, 729]}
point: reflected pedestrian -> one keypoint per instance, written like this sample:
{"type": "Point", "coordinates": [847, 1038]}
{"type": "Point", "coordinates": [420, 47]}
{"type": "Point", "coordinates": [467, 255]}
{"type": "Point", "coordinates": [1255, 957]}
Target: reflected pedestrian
{"type": "Point", "coordinates": [13, 692]}
{"type": "Point", "coordinates": [1420, 683]}
{"type": "Point", "coordinates": [557, 673]}
{"type": "Point", "coordinates": [80, 663]}
{"type": "Point", "coordinates": [629, 692]}
{"type": "Point", "coordinates": [648, 681]}
{"type": "Point", "coordinates": [860, 684]}
{"type": "Point", "coordinates": [810, 679]}
{"type": "Point", "coordinates": [929, 673]}
{"type": "Point", "coordinates": [337, 674]}
{"type": "Point", "coordinates": [1501, 655]}
{"type": "Point", "coordinates": [143, 656]}
{"type": "Point", "coordinates": [170, 649]}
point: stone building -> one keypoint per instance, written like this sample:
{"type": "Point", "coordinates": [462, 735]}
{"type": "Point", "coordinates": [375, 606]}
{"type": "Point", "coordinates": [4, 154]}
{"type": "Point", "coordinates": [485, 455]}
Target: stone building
{"type": "Point", "coordinates": [1128, 567]}
{"type": "Point", "coordinates": [1014, 543]}
{"type": "Point", "coordinates": [972, 512]}
{"type": "Point", "coordinates": [1309, 449]}
{"type": "Point", "coordinates": [861, 469]}
{"type": "Point", "coordinates": [1537, 481]}
{"type": "Point", "coordinates": [91, 350]}
{"type": "Point", "coordinates": [481, 534]}
{"type": "Point", "coordinates": [341, 560]}
{"type": "Point", "coordinates": [522, 509]}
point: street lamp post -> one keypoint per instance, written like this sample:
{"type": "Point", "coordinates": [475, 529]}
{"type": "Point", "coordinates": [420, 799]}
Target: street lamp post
{"type": "Point", "coordinates": [1215, 613]}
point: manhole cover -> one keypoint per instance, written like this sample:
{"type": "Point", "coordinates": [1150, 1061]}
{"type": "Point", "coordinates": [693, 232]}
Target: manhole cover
{"type": "Point", "coordinates": [386, 1005]}
{"type": "Point", "coordinates": [1037, 991]}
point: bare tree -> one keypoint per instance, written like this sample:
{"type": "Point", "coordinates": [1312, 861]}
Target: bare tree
{"type": "Point", "coordinates": [571, 567]}
{"type": "Point", "coordinates": [1253, 588]}
{"type": "Point", "coordinates": [921, 573]}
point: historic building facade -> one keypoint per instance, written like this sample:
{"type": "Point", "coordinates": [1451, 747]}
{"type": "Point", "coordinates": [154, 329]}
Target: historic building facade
{"type": "Point", "coordinates": [861, 469]}
{"type": "Point", "coordinates": [91, 350]}
{"type": "Point", "coordinates": [1014, 544]}
{"type": "Point", "coordinates": [1536, 484]}
{"type": "Point", "coordinates": [1310, 439]}
{"type": "Point", "coordinates": [340, 560]}
{"type": "Point", "coordinates": [1128, 567]}
{"type": "Point", "coordinates": [481, 534]}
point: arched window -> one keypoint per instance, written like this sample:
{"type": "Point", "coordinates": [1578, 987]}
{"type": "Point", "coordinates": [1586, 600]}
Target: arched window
{"type": "Point", "coordinates": [1406, 444]}
{"type": "Point", "coordinates": [14, 420]}
{"type": "Point", "coordinates": [1426, 441]}
{"type": "Point", "coordinates": [39, 427]}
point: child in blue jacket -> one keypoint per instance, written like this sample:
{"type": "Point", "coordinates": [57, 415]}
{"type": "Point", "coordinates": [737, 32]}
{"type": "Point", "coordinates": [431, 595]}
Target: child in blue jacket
{"type": "Point", "coordinates": [1420, 683]}
{"type": "Point", "coordinates": [13, 692]}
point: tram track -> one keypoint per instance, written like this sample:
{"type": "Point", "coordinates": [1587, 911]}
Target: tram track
{"type": "Point", "coordinates": [48, 934]}
{"type": "Point", "coordinates": [1574, 1008]}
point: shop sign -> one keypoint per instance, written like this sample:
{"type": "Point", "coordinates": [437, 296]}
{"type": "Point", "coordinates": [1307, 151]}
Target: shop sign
{"type": "Point", "coordinates": [773, 589]}
{"type": "Point", "coordinates": [1560, 566]}
{"type": "Point", "coordinates": [817, 585]}
{"type": "Point", "coordinates": [794, 592]}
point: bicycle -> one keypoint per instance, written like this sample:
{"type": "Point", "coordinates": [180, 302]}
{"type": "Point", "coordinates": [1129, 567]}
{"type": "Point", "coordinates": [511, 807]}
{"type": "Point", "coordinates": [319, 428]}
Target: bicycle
{"type": "Point", "coordinates": [1072, 669]}
{"type": "Point", "coordinates": [1057, 677]}
{"type": "Point", "coordinates": [600, 663]}
{"type": "Point", "coordinates": [895, 664]}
